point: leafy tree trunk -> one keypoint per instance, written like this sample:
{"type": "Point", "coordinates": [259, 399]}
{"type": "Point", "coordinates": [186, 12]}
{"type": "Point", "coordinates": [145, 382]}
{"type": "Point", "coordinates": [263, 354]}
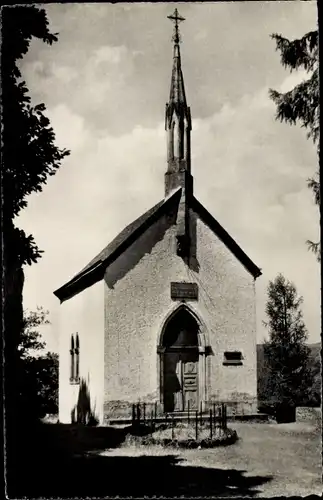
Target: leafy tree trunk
{"type": "Point", "coordinates": [29, 157]}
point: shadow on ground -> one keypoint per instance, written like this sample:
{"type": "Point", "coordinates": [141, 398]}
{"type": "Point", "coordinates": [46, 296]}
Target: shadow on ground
{"type": "Point", "coordinates": [57, 465]}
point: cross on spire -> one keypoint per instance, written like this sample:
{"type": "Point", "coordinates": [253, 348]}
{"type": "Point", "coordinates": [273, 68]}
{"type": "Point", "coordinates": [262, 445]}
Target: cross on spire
{"type": "Point", "coordinates": [177, 19]}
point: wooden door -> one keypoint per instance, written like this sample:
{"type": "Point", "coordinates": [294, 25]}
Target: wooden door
{"type": "Point", "coordinates": [172, 381]}
{"type": "Point", "coordinates": [180, 380]}
{"type": "Point", "coordinates": [190, 380]}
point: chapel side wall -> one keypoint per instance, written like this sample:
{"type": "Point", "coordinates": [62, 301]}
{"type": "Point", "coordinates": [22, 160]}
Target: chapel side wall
{"type": "Point", "coordinates": [82, 314]}
{"type": "Point", "coordinates": [69, 323]}
{"type": "Point", "coordinates": [227, 302]}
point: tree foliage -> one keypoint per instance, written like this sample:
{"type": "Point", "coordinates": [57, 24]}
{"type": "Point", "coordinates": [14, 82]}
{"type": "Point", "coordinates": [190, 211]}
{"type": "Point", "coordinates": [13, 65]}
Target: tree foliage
{"type": "Point", "coordinates": [38, 372]}
{"type": "Point", "coordinates": [39, 385]}
{"type": "Point", "coordinates": [286, 354]}
{"type": "Point", "coordinates": [30, 338]}
{"type": "Point", "coordinates": [302, 103]}
{"type": "Point", "coordinates": [30, 154]}
{"type": "Point", "coordinates": [37, 156]}
{"type": "Point", "coordinates": [314, 395]}
{"type": "Point", "coordinates": [29, 157]}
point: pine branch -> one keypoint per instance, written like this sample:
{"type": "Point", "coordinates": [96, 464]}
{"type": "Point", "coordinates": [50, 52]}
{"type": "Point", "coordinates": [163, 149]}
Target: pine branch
{"type": "Point", "coordinates": [301, 104]}
{"type": "Point", "coordinates": [315, 248]}
{"type": "Point", "coordinates": [298, 53]}
{"type": "Point", "coordinates": [314, 184]}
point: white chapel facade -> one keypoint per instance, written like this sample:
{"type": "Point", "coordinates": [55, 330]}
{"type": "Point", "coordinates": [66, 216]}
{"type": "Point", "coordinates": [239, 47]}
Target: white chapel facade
{"type": "Point", "coordinates": [165, 314]}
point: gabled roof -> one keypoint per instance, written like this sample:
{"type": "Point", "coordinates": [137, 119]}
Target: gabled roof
{"type": "Point", "coordinates": [226, 238]}
{"type": "Point", "coordinates": [95, 269]}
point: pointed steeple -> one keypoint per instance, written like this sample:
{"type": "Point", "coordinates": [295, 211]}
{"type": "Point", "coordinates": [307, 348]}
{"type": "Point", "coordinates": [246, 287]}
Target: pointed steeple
{"type": "Point", "coordinates": [178, 129]}
{"type": "Point", "coordinates": [177, 90]}
{"type": "Point", "coordinates": [177, 120]}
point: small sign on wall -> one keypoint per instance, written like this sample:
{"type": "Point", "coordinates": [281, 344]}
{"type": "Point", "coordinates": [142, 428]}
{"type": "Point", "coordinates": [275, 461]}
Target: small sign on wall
{"type": "Point", "coordinates": [232, 358]}
{"type": "Point", "coordinates": [180, 291]}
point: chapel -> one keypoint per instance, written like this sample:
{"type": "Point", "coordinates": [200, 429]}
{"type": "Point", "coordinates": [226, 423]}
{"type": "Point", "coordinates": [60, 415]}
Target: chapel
{"type": "Point", "coordinates": [165, 314]}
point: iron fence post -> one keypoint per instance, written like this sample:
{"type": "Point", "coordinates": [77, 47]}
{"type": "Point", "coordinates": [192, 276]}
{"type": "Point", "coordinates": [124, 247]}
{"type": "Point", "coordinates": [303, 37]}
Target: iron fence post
{"type": "Point", "coordinates": [210, 424]}
{"type": "Point", "coordinates": [196, 424]}
{"type": "Point", "coordinates": [172, 427]}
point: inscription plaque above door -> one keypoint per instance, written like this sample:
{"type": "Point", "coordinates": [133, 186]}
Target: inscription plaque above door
{"type": "Point", "coordinates": [180, 291]}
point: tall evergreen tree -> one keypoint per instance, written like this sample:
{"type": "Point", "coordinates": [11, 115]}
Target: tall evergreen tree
{"type": "Point", "coordinates": [301, 104]}
{"type": "Point", "coordinates": [286, 354]}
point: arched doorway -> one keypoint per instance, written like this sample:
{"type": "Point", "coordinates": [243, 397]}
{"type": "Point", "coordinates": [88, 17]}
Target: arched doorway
{"type": "Point", "coordinates": [180, 367]}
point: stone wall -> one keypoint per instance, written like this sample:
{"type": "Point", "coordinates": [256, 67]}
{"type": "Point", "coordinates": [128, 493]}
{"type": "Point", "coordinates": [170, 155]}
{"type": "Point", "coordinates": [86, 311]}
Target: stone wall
{"type": "Point", "coordinates": [138, 302]}
{"type": "Point", "coordinates": [309, 415]}
{"type": "Point", "coordinates": [227, 305]}
{"type": "Point", "coordinates": [241, 407]}
{"type": "Point", "coordinates": [124, 410]}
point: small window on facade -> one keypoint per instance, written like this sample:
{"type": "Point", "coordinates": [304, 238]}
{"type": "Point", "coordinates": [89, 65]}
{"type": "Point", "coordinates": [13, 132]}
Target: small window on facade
{"type": "Point", "coordinates": [232, 358]}
{"type": "Point", "coordinates": [74, 359]}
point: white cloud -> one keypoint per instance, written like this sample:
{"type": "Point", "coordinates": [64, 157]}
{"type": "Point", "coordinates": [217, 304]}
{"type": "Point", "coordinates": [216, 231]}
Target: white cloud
{"type": "Point", "coordinates": [69, 127]}
{"type": "Point", "coordinates": [293, 79]}
{"type": "Point", "coordinates": [64, 73]}
{"type": "Point", "coordinates": [93, 85]}
{"type": "Point", "coordinates": [109, 54]}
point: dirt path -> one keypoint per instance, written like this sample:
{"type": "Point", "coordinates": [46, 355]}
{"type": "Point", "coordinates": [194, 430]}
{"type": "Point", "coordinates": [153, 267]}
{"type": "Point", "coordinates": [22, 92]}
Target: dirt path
{"type": "Point", "coordinates": [287, 456]}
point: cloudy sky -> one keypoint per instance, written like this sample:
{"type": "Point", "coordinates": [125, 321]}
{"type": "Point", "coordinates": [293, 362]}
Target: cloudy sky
{"type": "Point", "coordinates": [105, 84]}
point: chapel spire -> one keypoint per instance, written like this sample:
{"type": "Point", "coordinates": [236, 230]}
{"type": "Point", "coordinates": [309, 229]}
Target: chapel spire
{"type": "Point", "coordinates": [177, 90]}
{"type": "Point", "coordinates": [177, 120]}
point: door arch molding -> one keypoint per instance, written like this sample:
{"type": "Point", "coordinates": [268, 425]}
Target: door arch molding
{"type": "Point", "coordinates": [203, 345]}
{"type": "Point", "coordinates": [203, 331]}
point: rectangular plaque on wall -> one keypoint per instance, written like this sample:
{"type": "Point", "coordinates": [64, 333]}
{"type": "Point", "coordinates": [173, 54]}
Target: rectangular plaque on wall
{"type": "Point", "coordinates": [187, 291]}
